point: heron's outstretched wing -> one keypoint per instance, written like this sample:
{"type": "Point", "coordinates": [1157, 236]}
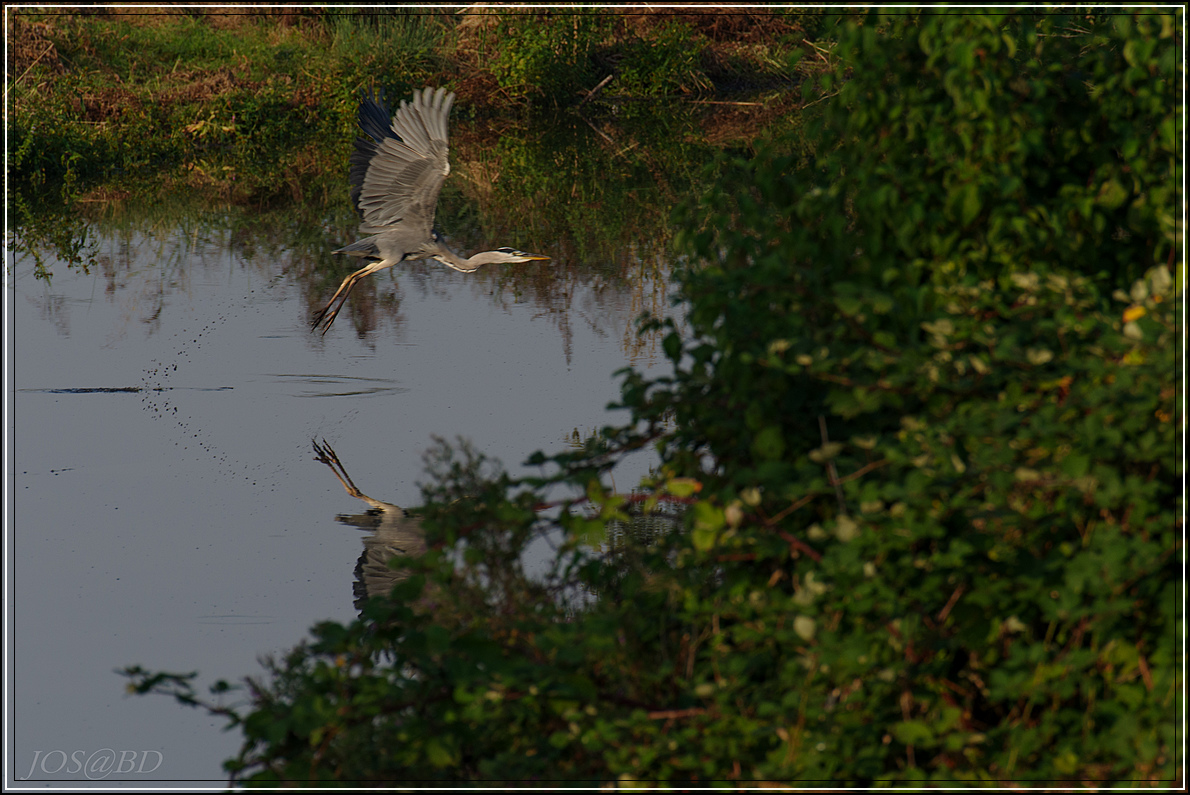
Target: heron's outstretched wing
{"type": "Point", "coordinates": [398, 166]}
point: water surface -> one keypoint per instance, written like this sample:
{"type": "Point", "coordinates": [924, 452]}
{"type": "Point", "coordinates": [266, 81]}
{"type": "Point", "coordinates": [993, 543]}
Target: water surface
{"type": "Point", "coordinates": [169, 510]}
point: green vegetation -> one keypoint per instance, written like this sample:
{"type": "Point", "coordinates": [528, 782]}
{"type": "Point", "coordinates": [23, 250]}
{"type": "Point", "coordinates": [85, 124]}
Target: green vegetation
{"type": "Point", "coordinates": [114, 113]}
{"type": "Point", "coordinates": [670, 62]}
{"type": "Point", "coordinates": [926, 432]}
{"type": "Point", "coordinates": [247, 111]}
{"type": "Point", "coordinates": [548, 55]}
{"type": "Point", "coordinates": [259, 108]}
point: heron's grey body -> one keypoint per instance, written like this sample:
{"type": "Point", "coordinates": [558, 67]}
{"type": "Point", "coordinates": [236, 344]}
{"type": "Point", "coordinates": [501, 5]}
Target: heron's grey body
{"type": "Point", "coordinates": [397, 171]}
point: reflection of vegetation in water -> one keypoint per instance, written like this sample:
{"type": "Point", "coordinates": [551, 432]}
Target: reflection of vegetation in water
{"type": "Point", "coordinates": [606, 187]}
{"type": "Point", "coordinates": [49, 233]}
{"type": "Point", "coordinates": [257, 110]}
{"type": "Point", "coordinates": [598, 204]}
{"type": "Point", "coordinates": [596, 199]}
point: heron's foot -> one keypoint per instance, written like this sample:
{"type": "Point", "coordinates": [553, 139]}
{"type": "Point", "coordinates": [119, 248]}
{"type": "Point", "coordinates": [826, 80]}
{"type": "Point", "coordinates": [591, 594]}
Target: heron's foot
{"type": "Point", "coordinates": [326, 455]}
{"type": "Point", "coordinates": [323, 453]}
{"type": "Point", "coordinates": [324, 317]}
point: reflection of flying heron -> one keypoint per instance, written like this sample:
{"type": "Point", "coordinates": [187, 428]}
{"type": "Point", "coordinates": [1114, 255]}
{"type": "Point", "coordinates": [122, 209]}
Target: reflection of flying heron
{"type": "Point", "coordinates": [397, 170]}
{"type": "Point", "coordinates": [394, 533]}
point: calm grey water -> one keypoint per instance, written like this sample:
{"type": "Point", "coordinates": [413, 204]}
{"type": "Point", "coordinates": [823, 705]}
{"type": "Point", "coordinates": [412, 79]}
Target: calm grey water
{"type": "Point", "coordinates": [166, 506]}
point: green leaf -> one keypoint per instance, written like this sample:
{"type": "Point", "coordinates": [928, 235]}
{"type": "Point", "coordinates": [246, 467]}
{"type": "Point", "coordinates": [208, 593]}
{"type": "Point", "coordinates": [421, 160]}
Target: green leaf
{"type": "Point", "coordinates": [966, 198]}
{"type": "Point", "coordinates": [682, 487]}
{"type": "Point", "coordinates": [1076, 465]}
{"type": "Point", "coordinates": [848, 304]}
{"type": "Point", "coordinates": [672, 345]}
{"type": "Point", "coordinates": [1112, 194]}
{"type": "Point", "coordinates": [913, 732]}
{"type": "Point", "coordinates": [769, 444]}
{"type": "Point", "coordinates": [708, 521]}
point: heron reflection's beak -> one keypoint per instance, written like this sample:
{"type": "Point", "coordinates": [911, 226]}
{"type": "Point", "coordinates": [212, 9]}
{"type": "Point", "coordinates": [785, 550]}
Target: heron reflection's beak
{"type": "Point", "coordinates": [534, 256]}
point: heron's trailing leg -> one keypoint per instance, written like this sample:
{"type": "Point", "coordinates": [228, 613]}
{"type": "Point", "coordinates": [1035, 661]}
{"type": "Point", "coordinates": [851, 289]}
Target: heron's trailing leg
{"type": "Point", "coordinates": [326, 316]}
{"type": "Point", "coordinates": [326, 455]}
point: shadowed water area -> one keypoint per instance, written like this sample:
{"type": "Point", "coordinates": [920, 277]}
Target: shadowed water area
{"type": "Point", "coordinates": [169, 507]}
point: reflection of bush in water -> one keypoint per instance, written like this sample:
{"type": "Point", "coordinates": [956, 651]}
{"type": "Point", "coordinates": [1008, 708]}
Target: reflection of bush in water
{"type": "Point", "coordinates": [643, 529]}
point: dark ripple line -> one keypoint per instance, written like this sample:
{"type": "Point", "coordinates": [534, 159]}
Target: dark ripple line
{"type": "Point", "coordinates": [88, 390]}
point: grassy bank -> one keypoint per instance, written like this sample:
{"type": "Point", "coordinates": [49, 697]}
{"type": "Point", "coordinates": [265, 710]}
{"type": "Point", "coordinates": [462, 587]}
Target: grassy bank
{"type": "Point", "coordinates": [258, 106]}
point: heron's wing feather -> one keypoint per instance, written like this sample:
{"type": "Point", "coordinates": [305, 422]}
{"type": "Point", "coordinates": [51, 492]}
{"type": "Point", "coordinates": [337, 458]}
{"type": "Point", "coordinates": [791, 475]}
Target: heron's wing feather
{"type": "Point", "coordinates": [374, 121]}
{"type": "Point", "coordinates": [397, 171]}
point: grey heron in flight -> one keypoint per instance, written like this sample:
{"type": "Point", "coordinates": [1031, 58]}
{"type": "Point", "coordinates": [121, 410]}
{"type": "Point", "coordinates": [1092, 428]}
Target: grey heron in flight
{"type": "Point", "coordinates": [397, 171]}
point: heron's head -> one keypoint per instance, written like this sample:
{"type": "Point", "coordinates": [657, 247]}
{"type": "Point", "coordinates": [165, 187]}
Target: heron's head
{"type": "Point", "coordinates": [509, 255]}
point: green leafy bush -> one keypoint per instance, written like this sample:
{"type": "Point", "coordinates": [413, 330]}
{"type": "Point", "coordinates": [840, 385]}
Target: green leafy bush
{"type": "Point", "coordinates": [667, 62]}
{"type": "Point", "coordinates": [926, 432]}
{"type": "Point", "coordinates": [546, 53]}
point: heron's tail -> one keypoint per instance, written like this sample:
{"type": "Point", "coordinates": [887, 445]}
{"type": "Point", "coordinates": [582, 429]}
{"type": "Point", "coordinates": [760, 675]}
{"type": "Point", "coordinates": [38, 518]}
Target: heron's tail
{"type": "Point", "coordinates": [361, 248]}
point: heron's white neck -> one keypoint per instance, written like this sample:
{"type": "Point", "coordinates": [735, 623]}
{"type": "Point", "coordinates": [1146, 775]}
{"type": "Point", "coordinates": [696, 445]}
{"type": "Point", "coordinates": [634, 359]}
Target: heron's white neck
{"type": "Point", "coordinates": [443, 254]}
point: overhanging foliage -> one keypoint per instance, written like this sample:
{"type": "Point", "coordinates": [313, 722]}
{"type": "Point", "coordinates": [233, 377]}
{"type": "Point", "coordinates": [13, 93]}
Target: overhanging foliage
{"type": "Point", "coordinates": [926, 429]}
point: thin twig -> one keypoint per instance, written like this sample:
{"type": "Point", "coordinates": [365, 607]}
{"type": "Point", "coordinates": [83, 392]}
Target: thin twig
{"type": "Point", "coordinates": [1145, 674]}
{"type": "Point", "coordinates": [798, 544]}
{"type": "Point", "coordinates": [792, 507]}
{"type": "Point", "coordinates": [865, 469]}
{"type": "Point", "coordinates": [820, 99]}
{"type": "Point", "coordinates": [823, 53]}
{"type": "Point", "coordinates": [30, 66]}
{"type": "Point", "coordinates": [724, 102]}
{"type": "Point", "coordinates": [954, 598]}
{"type": "Point", "coordinates": [668, 714]}
{"type": "Point", "coordinates": [596, 90]}
{"type": "Point", "coordinates": [604, 135]}
{"type": "Point", "coordinates": [830, 468]}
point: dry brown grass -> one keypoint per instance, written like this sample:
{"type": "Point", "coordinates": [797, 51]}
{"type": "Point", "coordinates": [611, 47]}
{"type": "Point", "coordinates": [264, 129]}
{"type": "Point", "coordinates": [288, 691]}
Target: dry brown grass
{"type": "Point", "coordinates": [716, 24]}
{"type": "Point", "coordinates": [29, 44]}
{"type": "Point", "coordinates": [218, 18]}
{"type": "Point", "coordinates": [204, 84]}
{"type": "Point", "coordinates": [730, 122]}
